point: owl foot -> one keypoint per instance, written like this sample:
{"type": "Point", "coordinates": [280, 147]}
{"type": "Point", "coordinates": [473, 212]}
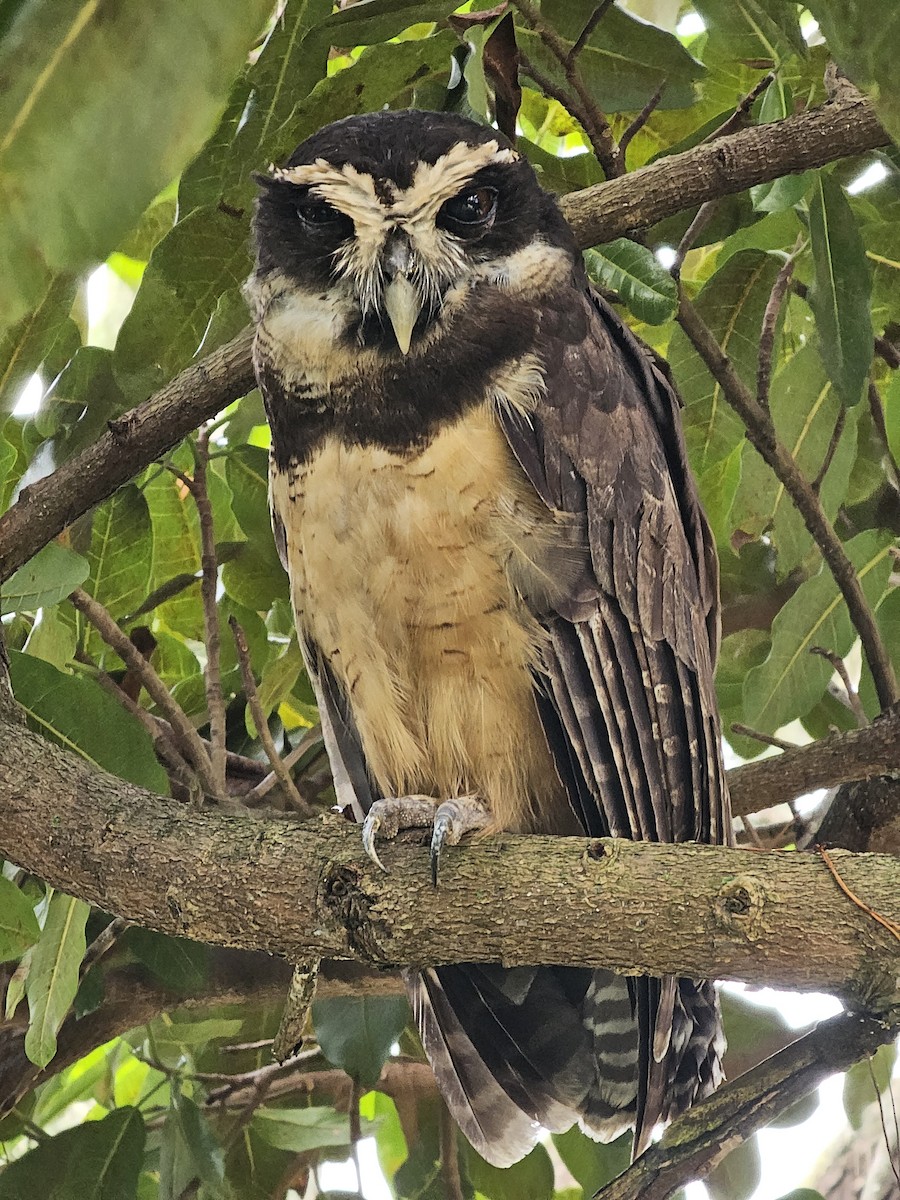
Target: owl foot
{"type": "Point", "coordinates": [449, 821]}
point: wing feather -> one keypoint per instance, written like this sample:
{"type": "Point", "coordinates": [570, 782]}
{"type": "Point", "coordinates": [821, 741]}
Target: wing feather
{"type": "Point", "coordinates": [629, 663]}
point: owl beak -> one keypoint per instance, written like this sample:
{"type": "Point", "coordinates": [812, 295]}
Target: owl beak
{"type": "Point", "coordinates": [403, 305]}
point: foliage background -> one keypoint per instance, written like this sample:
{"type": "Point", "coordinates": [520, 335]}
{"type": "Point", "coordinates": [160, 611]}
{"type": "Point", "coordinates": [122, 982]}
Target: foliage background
{"type": "Point", "coordinates": [128, 137]}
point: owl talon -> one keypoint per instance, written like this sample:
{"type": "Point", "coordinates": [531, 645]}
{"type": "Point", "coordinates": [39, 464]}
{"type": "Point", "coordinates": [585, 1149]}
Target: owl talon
{"type": "Point", "coordinates": [387, 817]}
{"type": "Point", "coordinates": [452, 819]}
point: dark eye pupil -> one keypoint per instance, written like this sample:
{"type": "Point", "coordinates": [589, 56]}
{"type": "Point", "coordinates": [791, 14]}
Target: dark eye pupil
{"type": "Point", "coordinates": [317, 212]}
{"type": "Point", "coordinates": [471, 206]}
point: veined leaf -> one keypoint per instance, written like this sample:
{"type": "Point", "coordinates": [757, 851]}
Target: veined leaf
{"type": "Point", "coordinates": [637, 275]}
{"type": "Point", "coordinates": [755, 28]}
{"type": "Point", "coordinates": [19, 927]}
{"type": "Point", "coordinates": [862, 36]}
{"type": "Point", "coordinates": [53, 978]}
{"type": "Point", "coordinates": [49, 577]}
{"type": "Point", "coordinates": [805, 410]}
{"type": "Point", "coordinates": [300, 1129]}
{"type": "Point", "coordinates": [533, 1176]}
{"type": "Point", "coordinates": [732, 304]}
{"type": "Point", "coordinates": [47, 337]}
{"type": "Point", "coordinates": [356, 1032]}
{"type": "Point", "coordinates": [791, 679]}
{"type": "Point", "coordinates": [373, 21]}
{"type": "Point", "coordinates": [99, 1160]}
{"type": "Point", "coordinates": [75, 712]}
{"type": "Point", "coordinates": [179, 58]}
{"type": "Point", "coordinates": [841, 290]}
{"type": "Point", "coordinates": [120, 555]}
{"type": "Point", "coordinates": [624, 61]}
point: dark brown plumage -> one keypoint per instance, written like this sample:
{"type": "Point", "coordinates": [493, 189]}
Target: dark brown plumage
{"type": "Point", "coordinates": [504, 586]}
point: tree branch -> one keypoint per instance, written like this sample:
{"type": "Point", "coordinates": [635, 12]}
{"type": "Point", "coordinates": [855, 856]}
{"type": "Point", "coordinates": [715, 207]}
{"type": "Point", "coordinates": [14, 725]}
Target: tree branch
{"type": "Point", "coordinates": [703, 1136]}
{"type": "Point", "coordinates": [596, 214]}
{"type": "Point", "coordinates": [306, 890]}
{"type": "Point", "coordinates": [761, 434]}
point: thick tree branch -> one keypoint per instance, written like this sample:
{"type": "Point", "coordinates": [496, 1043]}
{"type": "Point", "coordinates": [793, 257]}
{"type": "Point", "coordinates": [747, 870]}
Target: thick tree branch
{"type": "Point", "coordinates": [306, 890]}
{"type": "Point", "coordinates": [699, 1140]}
{"type": "Point", "coordinates": [839, 758]}
{"type": "Point", "coordinates": [608, 210]}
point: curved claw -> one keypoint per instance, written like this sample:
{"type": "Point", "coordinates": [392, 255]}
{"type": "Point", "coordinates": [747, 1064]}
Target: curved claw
{"type": "Point", "coordinates": [443, 827]}
{"type": "Point", "coordinates": [370, 828]}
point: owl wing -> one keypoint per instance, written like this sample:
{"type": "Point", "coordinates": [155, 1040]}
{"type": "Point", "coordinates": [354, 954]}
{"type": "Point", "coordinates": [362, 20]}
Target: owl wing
{"type": "Point", "coordinates": [628, 701]}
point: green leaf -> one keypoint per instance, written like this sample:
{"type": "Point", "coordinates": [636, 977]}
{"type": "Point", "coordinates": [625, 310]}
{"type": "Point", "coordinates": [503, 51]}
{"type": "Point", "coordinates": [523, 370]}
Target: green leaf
{"type": "Point", "coordinates": [205, 257]}
{"type": "Point", "coordinates": [779, 194]}
{"type": "Point", "coordinates": [356, 1032]}
{"type": "Point", "coordinates": [120, 552]}
{"type": "Point", "coordinates": [178, 57]}
{"type": "Point", "coordinates": [862, 35]}
{"type": "Point", "coordinates": [803, 1194]}
{"type": "Point", "coordinates": [841, 290]}
{"type": "Point", "coordinates": [75, 712]}
{"type": "Point", "coordinates": [301, 1129]}
{"type": "Point", "coordinates": [740, 651]}
{"type": "Point", "coordinates": [99, 1160]}
{"type": "Point", "coordinates": [592, 1163]}
{"type": "Point", "coordinates": [865, 1082]}
{"type": "Point", "coordinates": [755, 29]}
{"type": "Point", "coordinates": [53, 977]}
{"type": "Point", "coordinates": [637, 275]}
{"type": "Point", "coordinates": [181, 964]}
{"type": "Point", "coordinates": [717, 486]}
{"type": "Point", "coordinates": [189, 1149]}
{"type": "Point", "coordinates": [531, 1177]}
{"type": "Point", "coordinates": [19, 927]}
{"type": "Point", "coordinates": [286, 69]}
{"type": "Point", "coordinates": [278, 680]}
{"type": "Point", "coordinates": [732, 304]}
{"type": "Point", "coordinates": [805, 410]}
{"type": "Point", "coordinates": [53, 573]}
{"type": "Point", "coordinates": [892, 414]}
{"type": "Point", "coordinates": [737, 1176]}
{"type": "Point", "coordinates": [46, 337]}
{"type": "Point", "coordinates": [378, 20]}
{"type": "Point", "coordinates": [791, 679]}
{"type": "Point", "coordinates": [625, 60]}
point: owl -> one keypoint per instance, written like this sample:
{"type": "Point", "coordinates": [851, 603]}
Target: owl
{"type": "Point", "coordinates": [504, 587]}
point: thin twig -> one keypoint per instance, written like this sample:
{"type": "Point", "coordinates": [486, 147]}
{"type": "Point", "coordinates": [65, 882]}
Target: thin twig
{"type": "Point", "coordinates": [102, 943]}
{"type": "Point", "coordinates": [761, 433]}
{"type": "Point", "coordinates": [586, 110]}
{"type": "Point", "coordinates": [740, 116]}
{"type": "Point", "coordinates": [590, 25]}
{"type": "Point", "coordinates": [767, 739]}
{"type": "Point", "coordinates": [838, 664]}
{"type": "Point", "coordinates": [215, 699]}
{"type": "Point", "coordinates": [891, 926]}
{"type": "Point", "coordinates": [769, 325]}
{"type": "Point", "coordinates": [836, 434]}
{"type": "Point", "coordinates": [641, 119]}
{"type": "Point", "coordinates": [118, 640]}
{"type": "Point", "coordinates": [876, 408]}
{"type": "Point", "coordinates": [164, 743]}
{"type": "Point", "coordinates": [702, 218]}
{"type": "Point", "coordinates": [262, 725]}
{"type": "Point", "coordinates": [884, 1129]}
{"type": "Point", "coordinates": [887, 351]}
{"type": "Point", "coordinates": [265, 785]}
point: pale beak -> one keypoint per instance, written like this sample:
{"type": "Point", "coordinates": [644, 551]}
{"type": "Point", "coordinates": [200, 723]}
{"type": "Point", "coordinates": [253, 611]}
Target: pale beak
{"type": "Point", "coordinates": [403, 305]}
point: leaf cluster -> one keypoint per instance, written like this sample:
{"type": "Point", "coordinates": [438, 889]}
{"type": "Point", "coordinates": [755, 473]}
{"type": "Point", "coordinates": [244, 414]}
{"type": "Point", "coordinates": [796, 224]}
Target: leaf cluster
{"type": "Point", "coordinates": [127, 145]}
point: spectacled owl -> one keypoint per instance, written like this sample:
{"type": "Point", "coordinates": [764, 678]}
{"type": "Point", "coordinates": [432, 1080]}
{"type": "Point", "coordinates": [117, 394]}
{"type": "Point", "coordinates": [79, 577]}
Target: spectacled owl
{"type": "Point", "coordinates": [504, 587]}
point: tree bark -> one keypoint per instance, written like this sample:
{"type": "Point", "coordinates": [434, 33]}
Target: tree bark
{"type": "Point", "coordinates": [305, 889]}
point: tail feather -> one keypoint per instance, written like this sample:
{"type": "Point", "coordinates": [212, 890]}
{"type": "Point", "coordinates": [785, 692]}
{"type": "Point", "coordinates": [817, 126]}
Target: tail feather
{"type": "Point", "coordinates": [519, 1050]}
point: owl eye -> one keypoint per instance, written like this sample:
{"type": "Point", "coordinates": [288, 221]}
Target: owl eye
{"type": "Point", "coordinates": [470, 210]}
{"type": "Point", "coordinates": [319, 213]}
